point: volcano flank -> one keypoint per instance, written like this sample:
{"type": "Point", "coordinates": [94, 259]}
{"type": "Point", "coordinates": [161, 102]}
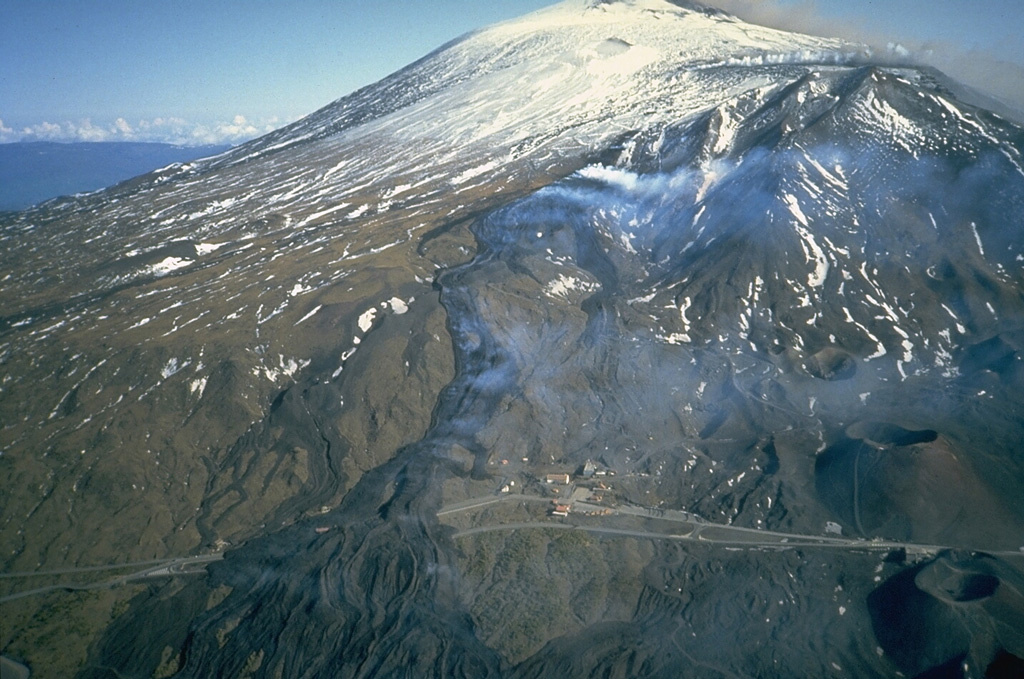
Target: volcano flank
{"type": "Point", "coordinates": [623, 339]}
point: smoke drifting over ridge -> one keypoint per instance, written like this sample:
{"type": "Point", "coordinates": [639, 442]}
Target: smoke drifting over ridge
{"type": "Point", "coordinates": [982, 70]}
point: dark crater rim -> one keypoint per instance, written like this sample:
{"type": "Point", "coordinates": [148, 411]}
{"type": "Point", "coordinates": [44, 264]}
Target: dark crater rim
{"type": "Point", "coordinates": [888, 434]}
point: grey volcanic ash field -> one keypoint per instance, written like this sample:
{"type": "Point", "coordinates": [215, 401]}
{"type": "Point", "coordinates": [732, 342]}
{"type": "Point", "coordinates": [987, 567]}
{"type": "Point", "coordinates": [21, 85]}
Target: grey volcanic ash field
{"type": "Point", "coordinates": [625, 340]}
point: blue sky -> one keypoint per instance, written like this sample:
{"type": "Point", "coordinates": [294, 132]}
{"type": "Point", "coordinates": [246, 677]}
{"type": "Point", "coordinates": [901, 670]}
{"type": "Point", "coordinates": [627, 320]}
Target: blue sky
{"type": "Point", "coordinates": [227, 70]}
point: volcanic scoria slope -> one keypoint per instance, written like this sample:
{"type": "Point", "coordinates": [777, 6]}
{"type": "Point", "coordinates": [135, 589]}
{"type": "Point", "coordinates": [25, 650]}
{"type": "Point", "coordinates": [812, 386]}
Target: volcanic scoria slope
{"type": "Point", "coordinates": [769, 289]}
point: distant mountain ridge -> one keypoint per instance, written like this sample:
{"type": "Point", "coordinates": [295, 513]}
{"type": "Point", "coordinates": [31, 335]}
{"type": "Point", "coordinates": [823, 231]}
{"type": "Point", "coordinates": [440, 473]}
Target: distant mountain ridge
{"type": "Point", "coordinates": [31, 172]}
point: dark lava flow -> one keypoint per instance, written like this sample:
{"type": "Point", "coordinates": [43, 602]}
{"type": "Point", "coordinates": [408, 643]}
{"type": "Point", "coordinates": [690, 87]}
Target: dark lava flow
{"type": "Point", "coordinates": [707, 350]}
{"type": "Point", "coordinates": [373, 597]}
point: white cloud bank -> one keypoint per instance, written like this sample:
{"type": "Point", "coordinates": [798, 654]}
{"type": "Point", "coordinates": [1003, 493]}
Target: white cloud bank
{"type": "Point", "coordinates": [169, 130]}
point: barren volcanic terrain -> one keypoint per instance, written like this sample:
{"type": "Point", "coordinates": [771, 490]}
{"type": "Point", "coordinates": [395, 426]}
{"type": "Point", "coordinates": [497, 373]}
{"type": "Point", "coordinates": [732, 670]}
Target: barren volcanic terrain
{"type": "Point", "coordinates": [624, 339]}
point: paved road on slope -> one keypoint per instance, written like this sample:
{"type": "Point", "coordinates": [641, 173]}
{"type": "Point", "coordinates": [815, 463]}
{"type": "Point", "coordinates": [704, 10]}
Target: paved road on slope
{"type": "Point", "coordinates": [189, 565]}
{"type": "Point", "coordinates": [85, 569]}
{"type": "Point", "coordinates": [696, 536]}
{"type": "Point", "coordinates": [477, 502]}
{"type": "Point", "coordinates": [11, 669]}
{"type": "Point", "coordinates": [696, 529]}
{"type": "Point", "coordinates": [692, 528]}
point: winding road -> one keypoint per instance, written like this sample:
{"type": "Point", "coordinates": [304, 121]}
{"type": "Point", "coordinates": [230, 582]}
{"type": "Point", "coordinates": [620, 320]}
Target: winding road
{"type": "Point", "coordinates": [188, 565]}
{"type": "Point", "coordinates": [692, 528]}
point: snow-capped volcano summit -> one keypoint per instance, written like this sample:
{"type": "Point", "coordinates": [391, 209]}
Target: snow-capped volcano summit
{"type": "Point", "coordinates": [772, 291]}
{"type": "Point", "coordinates": [554, 87]}
{"type": "Point", "coordinates": [575, 62]}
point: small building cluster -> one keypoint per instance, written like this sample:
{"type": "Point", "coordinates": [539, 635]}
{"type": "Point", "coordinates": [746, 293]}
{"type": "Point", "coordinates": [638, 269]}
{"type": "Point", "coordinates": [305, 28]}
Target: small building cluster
{"type": "Point", "coordinates": [569, 491]}
{"type": "Point", "coordinates": [559, 508]}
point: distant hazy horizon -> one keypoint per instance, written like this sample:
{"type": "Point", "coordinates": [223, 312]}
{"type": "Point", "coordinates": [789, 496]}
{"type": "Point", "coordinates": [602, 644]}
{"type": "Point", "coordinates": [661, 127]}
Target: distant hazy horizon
{"type": "Point", "coordinates": [194, 73]}
{"type": "Point", "coordinates": [34, 171]}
